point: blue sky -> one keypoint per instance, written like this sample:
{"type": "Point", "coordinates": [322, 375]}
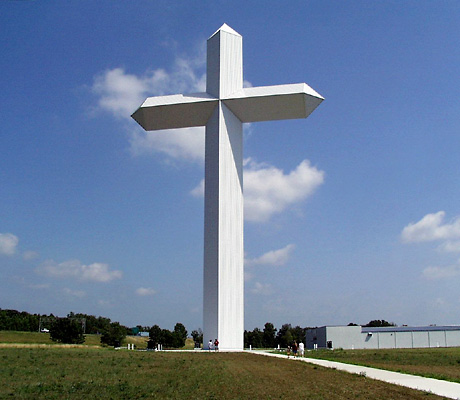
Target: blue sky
{"type": "Point", "coordinates": [351, 214]}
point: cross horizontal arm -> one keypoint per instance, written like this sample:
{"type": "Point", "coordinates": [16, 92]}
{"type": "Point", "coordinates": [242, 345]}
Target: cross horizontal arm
{"type": "Point", "coordinates": [175, 111]}
{"type": "Point", "coordinates": [268, 103]}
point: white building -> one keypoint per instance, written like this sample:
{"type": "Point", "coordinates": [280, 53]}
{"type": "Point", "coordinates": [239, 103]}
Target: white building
{"type": "Point", "coordinates": [392, 337]}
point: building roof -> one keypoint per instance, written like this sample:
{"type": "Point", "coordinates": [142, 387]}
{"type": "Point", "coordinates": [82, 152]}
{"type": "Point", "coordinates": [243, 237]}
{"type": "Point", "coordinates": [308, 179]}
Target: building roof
{"type": "Point", "coordinates": [365, 329]}
{"type": "Point", "coordinates": [411, 328]}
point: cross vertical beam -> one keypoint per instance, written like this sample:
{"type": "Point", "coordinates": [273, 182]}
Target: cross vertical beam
{"type": "Point", "coordinates": [223, 279]}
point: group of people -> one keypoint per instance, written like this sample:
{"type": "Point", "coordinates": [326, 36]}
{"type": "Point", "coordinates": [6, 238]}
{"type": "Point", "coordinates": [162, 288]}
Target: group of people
{"type": "Point", "coordinates": [213, 345]}
{"type": "Point", "coordinates": [296, 349]}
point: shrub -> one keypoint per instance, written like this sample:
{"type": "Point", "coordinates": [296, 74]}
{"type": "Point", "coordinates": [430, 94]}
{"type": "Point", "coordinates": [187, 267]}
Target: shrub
{"type": "Point", "coordinates": [66, 330]}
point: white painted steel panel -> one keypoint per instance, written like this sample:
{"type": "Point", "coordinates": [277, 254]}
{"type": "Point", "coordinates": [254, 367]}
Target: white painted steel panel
{"type": "Point", "coordinates": [224, 255]}
{"type": "Point", "coordinates": [269, 103]}
{"type": "Point", "coordinates": [176, 111]}
{"type": "Point", "coordinates": [403, 340]}
{"type": "Point", "coordinates": [453, 338]}
{"type": "Point", "coordinates": [437, 339]}
{"type": "Point", "coordinates": [224, 62]}
{"type": "Point", "coordinates": [386, 340]}
{"type": "Point", "coordinates": [420, 339]}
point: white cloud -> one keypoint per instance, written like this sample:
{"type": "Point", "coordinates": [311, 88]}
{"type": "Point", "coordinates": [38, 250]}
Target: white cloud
{"type": "Point", "coordinates": [262, 288]}
{"type": "Point", "coordinates": [198, 191]}
{"type": "Point", "coordinates": [185, 144]}
{"type": "Point", "coordinates": [274, 257]}
{"type": "Point", "coordinates": [248, 275]}
{"type": "Point", "coordinates": [120, 93]}
{"type": "Point", "coordinates": [269, 191]}
{"type": "Point", "coordinates": [450, 271]}
{"type": "Point", "coordinates": [39, 286]}
{"type": "Point", "coordinates": [145, 291]}
{"type": "Point", "coordinates": [430, 228]}
{"type": "Point", "coordinates": [8, 244]}
{"type": "Point", "coordinates": [30, 255]}
{"type": "Point", "coordinates": [450, 246]}
{"type": "Point", "coordinates": [96, 272]}
{"type": "Point", "coordinates": [74, 293]}
{"type": "Point", "coordinates": [105, 303]}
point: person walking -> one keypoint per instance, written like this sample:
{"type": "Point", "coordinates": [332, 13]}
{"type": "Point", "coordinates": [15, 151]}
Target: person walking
{"type": "Point", "coordinates": [216, 345]}
{"type": "Point", "coordinates": [301, 349]}
{"type": "Point", "coordinates": [210, 345]}
{"type": "Point", "coordinates": [294, 349]}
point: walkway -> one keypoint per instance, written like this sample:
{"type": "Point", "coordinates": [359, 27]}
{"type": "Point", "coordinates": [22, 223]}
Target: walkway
{"type": "Point", "coordinates": [447, 389]}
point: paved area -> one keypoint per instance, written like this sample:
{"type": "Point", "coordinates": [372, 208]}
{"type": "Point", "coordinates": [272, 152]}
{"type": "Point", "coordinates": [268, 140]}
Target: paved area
{"type": "Point", "coordinates": [447, 389]}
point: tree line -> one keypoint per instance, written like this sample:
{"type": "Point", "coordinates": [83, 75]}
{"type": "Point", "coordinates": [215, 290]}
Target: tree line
{"type": "Point", "coordinates": [270, 337]}
{"type": "Point", "coordinates": [166, 338]}
{"type": "Point", "coordinates": [71, 330]}
{"type": "Point", "coordinates": [12, 320]}
{"type": "Point", "coordinates": [73, 327]}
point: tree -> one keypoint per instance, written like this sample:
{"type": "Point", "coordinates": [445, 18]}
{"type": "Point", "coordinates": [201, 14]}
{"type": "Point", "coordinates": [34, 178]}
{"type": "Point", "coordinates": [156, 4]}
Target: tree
{"type": "Point", "coordinates": [155, 335]}
{"type": "Point", "coordinates": [12, 320]}
{"type": "Point", "coordinates": [298, 334]}
{"type": "Point", "coordinates": [269, 337]}
{"type": "Point", "coordinates": [66, 330]}
{"type": "Point", "coordinates": [179, 335]}
{"type": "Point", "coordinates": [284, 336]}
{"type": "Point", "coordinates": [114, 334]}
{"type": "Point", "coordinates": [379, 322]}
{"type": "Point", "coordinates": [197, 336]}
{"type": "Point", "coordinates": [167, 338]}
{"type": "Point", "coordinates": [254, 338]}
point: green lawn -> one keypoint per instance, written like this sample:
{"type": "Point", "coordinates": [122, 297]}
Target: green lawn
{"type": "Point", "coordinates": [439, 363]}
{"type": "Point", "coordinates": [99, 373]}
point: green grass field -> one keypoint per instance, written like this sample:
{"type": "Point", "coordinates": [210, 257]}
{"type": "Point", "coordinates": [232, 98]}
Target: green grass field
{"type": "Point", "coordinates": [439, 363]}
{"type": "Point", "coordinates": [99, 373]}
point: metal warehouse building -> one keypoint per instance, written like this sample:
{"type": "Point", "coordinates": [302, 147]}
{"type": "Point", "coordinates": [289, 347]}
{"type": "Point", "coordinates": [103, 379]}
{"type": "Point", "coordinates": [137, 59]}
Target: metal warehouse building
{"type": "Point", "coordinates": [393, 337]}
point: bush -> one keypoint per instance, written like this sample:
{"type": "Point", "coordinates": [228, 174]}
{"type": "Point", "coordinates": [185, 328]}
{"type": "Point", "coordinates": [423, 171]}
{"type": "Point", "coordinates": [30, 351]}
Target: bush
{"type": "Point", "coordinates": [66, 330]}
{"type": "Point", "coordinates": [114, 335]}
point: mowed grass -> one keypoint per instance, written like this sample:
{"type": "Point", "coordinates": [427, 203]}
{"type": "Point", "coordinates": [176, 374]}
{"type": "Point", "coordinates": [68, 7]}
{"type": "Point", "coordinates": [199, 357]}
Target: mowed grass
{"type": "Point", "coordinates": [100, 373]}
{"type": "Point", "coordinates": [438, 363]}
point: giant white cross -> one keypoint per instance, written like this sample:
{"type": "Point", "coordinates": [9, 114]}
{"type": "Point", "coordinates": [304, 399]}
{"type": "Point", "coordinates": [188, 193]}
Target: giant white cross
{"type": "Point", "coordinates": [222, 109]}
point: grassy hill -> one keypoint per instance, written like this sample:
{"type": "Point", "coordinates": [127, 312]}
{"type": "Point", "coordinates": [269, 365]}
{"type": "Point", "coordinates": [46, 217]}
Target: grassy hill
{"type": "Point", "coordinates": [90, 340]}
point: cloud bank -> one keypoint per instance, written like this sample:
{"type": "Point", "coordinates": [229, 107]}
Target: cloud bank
{"type": "Point", "coordinates": [269, 191]}
{"type": "Point", "coordinates": [145, 291]}
{"type": "Point", "coordinates": [264, 289]}
{"type": "Point", "coordinates": [450, 271]}
{"type": "Point", "coordinates": [8, 244]}
{"type": "Point", "coordinates": [96, 272]}
{"type": "Point", "coordinates": [432, 228]}
{"type": "Point", "coordinates": [275, 258]}
{"type": "Point", "coordinates": [120, 93]}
